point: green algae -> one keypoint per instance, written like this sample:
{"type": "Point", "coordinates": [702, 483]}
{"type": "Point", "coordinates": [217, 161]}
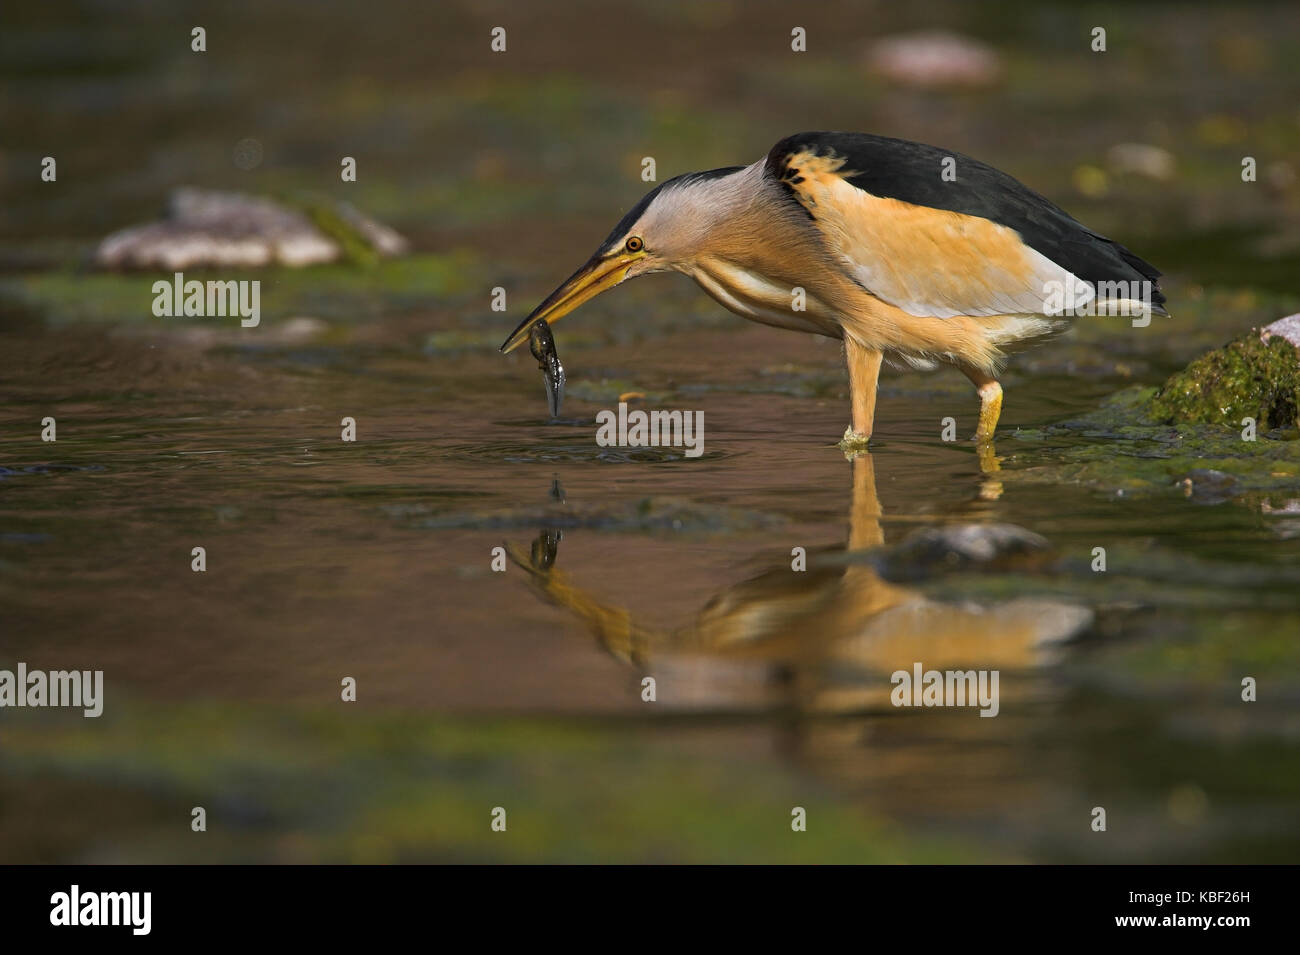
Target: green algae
{"type": "Point", "coordinates": [608, 391]}
{"type": "Point", "coordinates": [340, 292]}
{"type": "Point", "coordinates": [344, 786]}
{"type": "Point", "coordinates": [1124, 449]}
{"type": "Point", "coordinates": [325, 216]}
{"type": "Point", "coordinates": [1247, 378]}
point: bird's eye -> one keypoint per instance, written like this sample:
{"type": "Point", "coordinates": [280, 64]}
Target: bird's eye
{"type": "Point", "coordinates": [635, 244]}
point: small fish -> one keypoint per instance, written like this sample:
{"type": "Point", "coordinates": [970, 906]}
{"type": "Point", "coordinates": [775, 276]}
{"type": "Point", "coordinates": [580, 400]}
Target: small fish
{"type": "Point", "coordinates": [542, 345]}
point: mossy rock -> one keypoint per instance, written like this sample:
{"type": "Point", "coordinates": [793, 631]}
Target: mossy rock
{"type": "Point", "coordinates": [1248, 377]}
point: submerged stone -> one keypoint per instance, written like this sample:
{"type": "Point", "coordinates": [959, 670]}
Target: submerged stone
{"type": "Point", "coordinates": [1210, 486]}
{"type": "Point", "coordinates": [959, 547]}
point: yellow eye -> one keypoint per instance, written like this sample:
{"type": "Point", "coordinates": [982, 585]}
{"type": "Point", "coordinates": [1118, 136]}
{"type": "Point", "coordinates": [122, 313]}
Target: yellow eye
{"type": "Point", "coordinates": [635, 244]}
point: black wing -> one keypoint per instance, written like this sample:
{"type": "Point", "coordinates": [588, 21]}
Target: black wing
{"type": "Point", "coordinates": [910, 172]}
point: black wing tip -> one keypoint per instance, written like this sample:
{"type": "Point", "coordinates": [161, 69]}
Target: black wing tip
{"type": "Point", "coordinates": [1147, 272]}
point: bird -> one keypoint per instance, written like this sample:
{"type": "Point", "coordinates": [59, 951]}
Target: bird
{"type": "Point", "coordinates": [909, 253]}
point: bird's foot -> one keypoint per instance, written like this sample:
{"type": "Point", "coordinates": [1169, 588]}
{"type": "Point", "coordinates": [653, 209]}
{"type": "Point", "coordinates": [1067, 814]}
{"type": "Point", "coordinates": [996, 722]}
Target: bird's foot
{"type": "Point", "coordinates": [854, 443]}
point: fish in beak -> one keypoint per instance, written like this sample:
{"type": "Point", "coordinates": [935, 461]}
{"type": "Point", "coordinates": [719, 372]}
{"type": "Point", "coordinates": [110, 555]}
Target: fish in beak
{"type": "Point", "coordinates": [600, 273]}
{"type": "Point", "coordinates": [542, 345]}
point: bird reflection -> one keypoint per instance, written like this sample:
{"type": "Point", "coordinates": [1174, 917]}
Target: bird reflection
{"type": "Point", "coordinates": [822, 639]}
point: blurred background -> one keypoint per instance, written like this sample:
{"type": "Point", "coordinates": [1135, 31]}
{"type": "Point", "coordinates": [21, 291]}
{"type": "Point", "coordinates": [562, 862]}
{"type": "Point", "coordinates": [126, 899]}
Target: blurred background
{"type": "Point", "coordinates": [523, 689]}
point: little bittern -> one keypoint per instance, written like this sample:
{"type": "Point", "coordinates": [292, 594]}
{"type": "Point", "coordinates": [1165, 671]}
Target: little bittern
{"type": "Point", "coordinates": [904, 251]}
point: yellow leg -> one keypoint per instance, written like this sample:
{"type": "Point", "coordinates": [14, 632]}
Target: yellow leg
{"type": "Point", "coordinates": [864, 375]}
{"type": "Point", "coordinates": [990, 410]}
{"type": "Point", "coordinates": [990, 393]}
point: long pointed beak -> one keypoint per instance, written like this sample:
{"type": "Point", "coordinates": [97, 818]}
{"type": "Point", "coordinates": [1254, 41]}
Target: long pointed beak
{"type": "Point", "coordinates": [583, 285]}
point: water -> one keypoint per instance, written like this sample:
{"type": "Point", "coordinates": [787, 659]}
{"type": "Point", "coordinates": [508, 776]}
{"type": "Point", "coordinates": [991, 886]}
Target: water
{"type": "Point", "coordinates": [372, 559]}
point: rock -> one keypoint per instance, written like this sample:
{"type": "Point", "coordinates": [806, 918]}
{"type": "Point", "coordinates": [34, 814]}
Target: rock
{"type": "Point", "coordinates": [299, 328]}
{"type": "Point", "coordinates": [934, 59]}
{"type": "Point", "coordinates": [1141, 159]}
{"type": "Point", "coordinates": [1284, 520]}
{"type": "Point", "coordinates": [1255, 376]}
{"type": "Point", "coordinates": [382, 239]}
{"type": "Point", "coordinates": [206, 229]}
{"type": "Point", "coordinates": [1280, 176]}
{"type": "Point", "coordinates": [956, 547]}
{"type": "Point", "coordinates": [1209, 486]}
{"type": "Point", "coordinates": [1288, 328]}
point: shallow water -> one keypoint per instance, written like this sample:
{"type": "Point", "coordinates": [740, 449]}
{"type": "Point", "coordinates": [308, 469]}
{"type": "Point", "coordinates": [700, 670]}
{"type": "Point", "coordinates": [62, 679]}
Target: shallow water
{"type": "Point", "coordinates": [372, 559]}
{"type": "Point", "coordinates": [523, 689]}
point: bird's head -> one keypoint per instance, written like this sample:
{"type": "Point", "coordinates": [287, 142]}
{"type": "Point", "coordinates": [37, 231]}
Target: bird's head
{"type": "Point", "coordinates": [662, 232]}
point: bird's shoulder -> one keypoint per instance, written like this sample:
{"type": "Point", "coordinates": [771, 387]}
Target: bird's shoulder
{"type": "Point", "coordinates": [912, 172]}
{"type": "Point", "coordinates": [932, 178]}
